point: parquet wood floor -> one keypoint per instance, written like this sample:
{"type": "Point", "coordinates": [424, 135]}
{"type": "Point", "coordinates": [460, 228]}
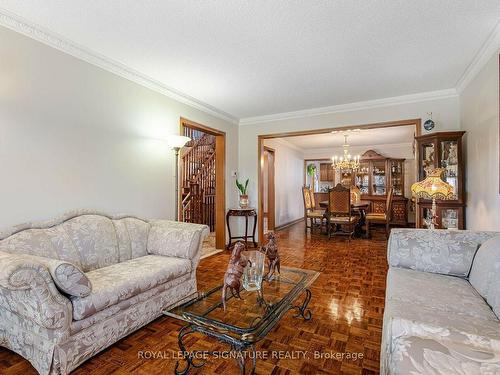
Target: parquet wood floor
{"type": "Point", "coordinates": [347, 305]}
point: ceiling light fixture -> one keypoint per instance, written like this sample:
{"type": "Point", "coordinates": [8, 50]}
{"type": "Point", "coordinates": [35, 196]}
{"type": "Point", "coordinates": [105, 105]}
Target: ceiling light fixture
{"type": "Point", "coordinates": [345, 162]}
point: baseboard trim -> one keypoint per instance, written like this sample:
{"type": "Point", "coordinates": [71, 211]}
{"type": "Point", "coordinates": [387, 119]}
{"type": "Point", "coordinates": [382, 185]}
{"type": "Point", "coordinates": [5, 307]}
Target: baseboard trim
{"type": "Point", "coordinates": [289, 224]}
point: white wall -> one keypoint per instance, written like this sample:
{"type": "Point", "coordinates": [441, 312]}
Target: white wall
{"type": "Point", "coordinates": [75, 136]}
{"type": "Point", "coordinates": [445, 114]}
{"type": "Point", "coordinates": [479, 117]}
{"type": "Point", "coordinates": [289, 179]}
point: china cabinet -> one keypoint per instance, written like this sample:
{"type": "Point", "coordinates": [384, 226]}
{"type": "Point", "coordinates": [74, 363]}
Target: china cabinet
{"type": "Point", "coordinates": [443, 150]}
{"type": "Point", "coordinates": [374, 177]}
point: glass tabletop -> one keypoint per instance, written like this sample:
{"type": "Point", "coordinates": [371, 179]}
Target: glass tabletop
{"type": "Point", "coordinates": [251, 314]}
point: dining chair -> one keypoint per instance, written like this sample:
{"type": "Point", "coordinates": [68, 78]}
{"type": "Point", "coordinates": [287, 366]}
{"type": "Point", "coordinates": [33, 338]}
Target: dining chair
{"type": "Point", "coordinates": [339, 213]}
{"type": "Point", "coordinates": [381, 217]}
{"type": "Point", "coordinates": [311, 215]}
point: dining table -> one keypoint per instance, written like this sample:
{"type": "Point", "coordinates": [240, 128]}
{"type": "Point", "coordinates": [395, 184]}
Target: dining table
{"type": "Point", "coordinates": [360, 206]}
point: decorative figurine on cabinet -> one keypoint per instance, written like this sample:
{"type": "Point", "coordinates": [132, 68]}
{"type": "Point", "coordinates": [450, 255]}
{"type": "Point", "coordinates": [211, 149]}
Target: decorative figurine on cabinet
{"type": "Point", "coordinates": [453, 154]}
{"type": "Point", "coordinates": [271, 251]}
{"type": "Point", "coordinates": [232, 277]}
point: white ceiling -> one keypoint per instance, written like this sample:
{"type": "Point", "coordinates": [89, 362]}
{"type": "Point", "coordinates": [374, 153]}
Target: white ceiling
{"type": "Point", "coordinates": [368, 137]}
{"type": "Point", "coordinates": [252, 58]}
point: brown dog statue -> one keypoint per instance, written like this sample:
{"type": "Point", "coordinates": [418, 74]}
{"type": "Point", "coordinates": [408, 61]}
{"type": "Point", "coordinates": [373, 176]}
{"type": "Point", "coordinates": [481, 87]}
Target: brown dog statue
{"type": "Point", "coordinates": [232, 277]}
{"type": "Point", "coordinates": [271, 251]}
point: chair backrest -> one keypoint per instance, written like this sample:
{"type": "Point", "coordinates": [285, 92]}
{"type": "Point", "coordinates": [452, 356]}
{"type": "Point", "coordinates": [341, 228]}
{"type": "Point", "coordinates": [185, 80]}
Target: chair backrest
{"type": "Point", "coordinates": [306, 194]}
{"type": "Point", "coordinates": [388, 204]}
{"type": "Point", "coordinates": [339, 201]}
{"type": "Point", "coordinates": [313, 198]}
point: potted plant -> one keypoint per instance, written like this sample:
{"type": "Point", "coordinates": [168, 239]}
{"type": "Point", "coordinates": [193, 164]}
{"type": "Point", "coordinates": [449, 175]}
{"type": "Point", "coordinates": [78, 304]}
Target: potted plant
{"type": "Point", "coordinates": [311, 170]}
{"type": "Point", "coordinates": [243, 193]}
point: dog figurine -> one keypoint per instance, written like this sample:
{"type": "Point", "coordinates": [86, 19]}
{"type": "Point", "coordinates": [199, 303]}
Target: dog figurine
{"type": "Point", "coordinates": [271, 251]}
{"type": "Point", "coordinates": [232, 277]}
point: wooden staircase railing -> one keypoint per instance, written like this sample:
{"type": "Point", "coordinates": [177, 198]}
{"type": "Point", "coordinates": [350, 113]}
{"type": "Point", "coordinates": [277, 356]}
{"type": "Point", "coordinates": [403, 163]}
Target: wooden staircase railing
{"type": "Point", "coordinates": [198, 179]}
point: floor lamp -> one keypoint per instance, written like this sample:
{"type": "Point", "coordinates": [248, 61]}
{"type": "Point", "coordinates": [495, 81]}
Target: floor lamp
{"type": "Point", "coordinates": [176, 142]}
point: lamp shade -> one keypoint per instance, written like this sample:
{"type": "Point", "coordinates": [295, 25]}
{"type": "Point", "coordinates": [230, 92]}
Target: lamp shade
{"type": "Point", "coordinates": [177, 141]}
{"type": "Point", "coordinates": [432, 187]}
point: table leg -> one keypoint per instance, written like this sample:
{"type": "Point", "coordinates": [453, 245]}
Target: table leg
{"type": "Point", "coordinates": [302, 310]}
{"type": "Point", "coordinates": [187, 356]}
{"type": "Point", "coordinates": [228, 230]}
{"type": "Point", "coordinates": [242, 356]}
{"type": "Point", "coordinates": [241, 350]}
{"type": "Point", "coordinates": [246, 231]}
{"type": "Point", "coordinates": [253, 233]}
{"type": "Point", "coordinates": [359, 226]}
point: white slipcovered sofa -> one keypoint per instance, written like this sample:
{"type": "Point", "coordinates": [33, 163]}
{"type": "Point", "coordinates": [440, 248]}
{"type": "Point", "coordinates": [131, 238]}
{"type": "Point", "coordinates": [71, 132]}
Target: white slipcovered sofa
{"type": "Point", "coordinates": [442, 303]}
{"type": "Point", "coordinates": [73, 286]}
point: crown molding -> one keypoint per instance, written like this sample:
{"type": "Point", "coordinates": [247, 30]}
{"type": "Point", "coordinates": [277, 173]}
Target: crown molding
{"type": "Point", "coordinates": [356, 106]}
{"type": "Point", "coordinates": [285, 143]}
{"type": "Point", "coordinates": [488, 49]}
{"type": "Point", "coordinates": [31, 30]}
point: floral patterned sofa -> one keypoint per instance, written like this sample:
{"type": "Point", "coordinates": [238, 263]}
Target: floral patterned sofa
{"type": "Point", "coordinates": [73, 286]}
{"type": "Point", "coordinates": [442, 303]}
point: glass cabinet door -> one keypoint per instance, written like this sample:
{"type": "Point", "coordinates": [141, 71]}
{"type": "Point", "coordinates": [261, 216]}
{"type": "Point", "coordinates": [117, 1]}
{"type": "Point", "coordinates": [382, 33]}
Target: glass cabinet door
{"type": "Point", "coordinates": [449, 161]}
{"type": "Point", "coordinates": [397, 176]}
{"type": "Point", "coordinates": [379, 183]}
{"type": "Point", "coordinates": [428, 158]}
{"type": "Point", "coordinates": [449, 218]}
{"type": "Point", "coordinates": [363, 177]}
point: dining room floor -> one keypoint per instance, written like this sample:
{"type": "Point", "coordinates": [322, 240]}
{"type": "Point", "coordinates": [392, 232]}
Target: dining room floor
{"type": "Point", "coordinates": [347, 305]}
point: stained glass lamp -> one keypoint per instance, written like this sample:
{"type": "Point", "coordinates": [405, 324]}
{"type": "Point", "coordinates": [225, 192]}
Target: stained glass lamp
{"type": "Point", "coordinates": [433, 187]}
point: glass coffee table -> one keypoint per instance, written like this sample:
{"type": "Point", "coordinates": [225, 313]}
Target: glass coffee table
{"type": "Point", "coordinates": [246, 320]}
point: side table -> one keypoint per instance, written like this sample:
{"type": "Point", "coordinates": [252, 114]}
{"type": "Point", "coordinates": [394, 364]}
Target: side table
{"type": "Point", "coordinates": [246, 212]}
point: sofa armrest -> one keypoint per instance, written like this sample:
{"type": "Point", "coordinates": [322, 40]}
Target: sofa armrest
{"type": "Point", "coordinates": [27, 289]}
{"type": "Point", "coordinates": [437, 251]}
{"type": "Point", "coordinates": [176, 239]}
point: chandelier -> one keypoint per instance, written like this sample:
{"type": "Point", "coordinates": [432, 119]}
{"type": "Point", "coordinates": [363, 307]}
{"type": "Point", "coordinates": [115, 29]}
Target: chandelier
{"type": "Point", "coordinates": [345, 163]}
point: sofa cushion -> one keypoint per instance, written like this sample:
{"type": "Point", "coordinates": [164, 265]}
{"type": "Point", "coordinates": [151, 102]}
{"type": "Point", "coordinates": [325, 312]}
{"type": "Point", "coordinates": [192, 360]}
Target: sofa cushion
{"type": "Point", "coordinates": [48, 242]}
{"type": "Point", "coordinates": [94, 237]}
{"type": "Point", "coordinates": [439, 292]}
{"type": "Point", "coordinates": [132, 237]}
{"type": "Point", "coordinates": [120, 281]}
{"type": "Point", "coordinates": [485, 272]}
{"type": "Point", "coordinates": [175, 239]}
{"type": "Point", "coordinates": [415, 355]}
{"type": "Point", "coordinates": [442, 308]}
{"type": "Point", "coordinates": [177, 289]}
{"type": "Point", "coordinates": [436, 251]}
{"type": "Point", "coordinates": [404, 319]}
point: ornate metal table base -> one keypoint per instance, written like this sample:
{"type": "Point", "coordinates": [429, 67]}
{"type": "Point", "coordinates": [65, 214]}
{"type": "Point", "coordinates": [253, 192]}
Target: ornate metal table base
{"type": "Point", "coordinates": [238, 347]}
{"type": "Point", "coordinates": [242, 349]}
{"type": "Point", "coordinates": [302, 310]}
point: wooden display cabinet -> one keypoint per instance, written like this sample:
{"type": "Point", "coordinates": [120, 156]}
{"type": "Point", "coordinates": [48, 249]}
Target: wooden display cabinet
{"type": "Point", "coordinates": [374, 177]}
{"type": "Point", "coordinates": [326, 172]}
{"type": "Point", "coordinates": [443, 150]}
